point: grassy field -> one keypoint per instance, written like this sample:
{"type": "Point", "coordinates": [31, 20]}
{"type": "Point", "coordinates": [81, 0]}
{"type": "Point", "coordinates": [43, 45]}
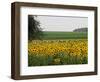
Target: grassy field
{"type": "Point", "coordinates": [64, 35]}
{"type": "Point", "coordinates": [58, 48]}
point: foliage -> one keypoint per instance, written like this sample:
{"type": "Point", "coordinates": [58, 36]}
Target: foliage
{"type": "Point", "coordinates": [34, 30]}
{"type": "Point", "coordinates": [85, 29]}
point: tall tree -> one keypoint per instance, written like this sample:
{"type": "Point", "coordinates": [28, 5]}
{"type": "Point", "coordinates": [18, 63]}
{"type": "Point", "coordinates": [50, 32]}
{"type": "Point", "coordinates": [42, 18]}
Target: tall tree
{"type": "Point", "coordinates": [34, 30]}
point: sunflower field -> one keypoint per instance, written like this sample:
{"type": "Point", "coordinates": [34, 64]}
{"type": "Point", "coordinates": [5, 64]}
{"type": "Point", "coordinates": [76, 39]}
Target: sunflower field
{"type": "Point", "coordinates": [57, 52]}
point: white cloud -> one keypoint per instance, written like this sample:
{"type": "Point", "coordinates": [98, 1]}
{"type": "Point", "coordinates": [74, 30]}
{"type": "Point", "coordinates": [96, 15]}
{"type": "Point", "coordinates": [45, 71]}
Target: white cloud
{"type": "Point", "coordinates": [58, 23]}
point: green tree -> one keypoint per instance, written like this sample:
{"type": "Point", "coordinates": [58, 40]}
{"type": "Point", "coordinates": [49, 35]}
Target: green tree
{"type": "Point", "coordinates": [34, 30]}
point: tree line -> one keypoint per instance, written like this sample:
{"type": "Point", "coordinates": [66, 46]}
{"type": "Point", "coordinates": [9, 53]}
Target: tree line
{"type": "Point", "coordinates": [34, 30]}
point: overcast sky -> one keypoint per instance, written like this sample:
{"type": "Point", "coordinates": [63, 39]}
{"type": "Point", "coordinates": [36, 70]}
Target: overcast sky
{"type": "Point", "coordinates": [60, 23]}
